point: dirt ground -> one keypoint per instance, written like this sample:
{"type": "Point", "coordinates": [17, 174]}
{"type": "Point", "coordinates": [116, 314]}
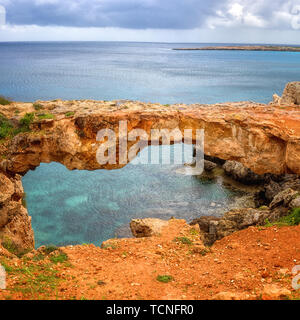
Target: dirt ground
{"type": "Point", "coordinates": [255, 263]}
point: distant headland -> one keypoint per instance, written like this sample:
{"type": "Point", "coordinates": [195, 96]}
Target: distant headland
{"type": "Point", "coordinates": [247, 48]}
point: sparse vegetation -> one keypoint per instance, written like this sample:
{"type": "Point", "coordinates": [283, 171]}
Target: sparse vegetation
{"type": "Point", "coordinates": [49, 249]}
{"type": "Point", "coordinates": [10, 246]}
{"type": "Point", "coordinates": [60, 258]}
{"type": "Point", "coordinates": [5, 101]}
{"type": "Point", "coordinates": [33, 280]}
{"type": "Point", "coordinates": [38, 257]}
{"type": "Point", "coordinates": [107, 246]}
{"type": "Point", "coordinates": [7, 130]}
{"type": "Point", "coordinates": [6, 127]}
{"type": "Point", "coordinates": [44, 116]}
{"type": "Point", "coordinates": [293, 219]}
{"type": "Point", "coordinates": [70, 114]}
{"type": "Point", "coordinates": [183, 240]}
{"type": "Point", "coordinates": [25, 122]}
{"type": "Point", "coordinates": [38, 106]}
{"type": "Point", "coordinates": [194, 232]}
{"type": "Point", "coordinates": [164, 278]}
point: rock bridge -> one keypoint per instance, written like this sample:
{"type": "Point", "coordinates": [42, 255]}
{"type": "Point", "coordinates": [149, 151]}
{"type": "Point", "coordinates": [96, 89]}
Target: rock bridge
{"type": "Point", "coordinates": [264, 138]}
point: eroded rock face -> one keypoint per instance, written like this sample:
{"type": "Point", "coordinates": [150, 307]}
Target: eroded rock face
{"type": "Point", "coordinates": [15, 224]}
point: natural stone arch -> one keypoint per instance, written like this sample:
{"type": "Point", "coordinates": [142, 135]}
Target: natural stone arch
{"type": "Point", "coordinates": [264, 138]}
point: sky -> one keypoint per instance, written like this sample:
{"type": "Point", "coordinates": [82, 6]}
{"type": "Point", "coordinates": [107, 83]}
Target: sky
{"type": "Point", "coordinates": [231, 21]}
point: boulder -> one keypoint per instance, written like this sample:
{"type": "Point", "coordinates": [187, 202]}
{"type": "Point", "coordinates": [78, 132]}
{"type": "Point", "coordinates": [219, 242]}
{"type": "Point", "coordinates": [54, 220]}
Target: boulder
{"type": "Point", "coordinates": [283, 198]}
{"type": "Point", "coordinates": [239, 172]}
{"type": "Point", "coordinates": [141, 228]}
{"type": "Point", "coordinates": [291, 94]}
{"type": "Point", "coordinates": [295, 203]}
{"type": "Point", "coordinates": [209, 166]}
{"type": "Point", "coordinates": [274, 292]}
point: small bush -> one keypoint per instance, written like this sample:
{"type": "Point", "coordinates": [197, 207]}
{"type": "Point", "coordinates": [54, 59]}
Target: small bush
{"type": "Point", "coordinates": [183, 240]}
{"type": "Point", "coordinates": [70, 114]}
{"type": "Point", "coordinates": [38, 106]}
{"type": "Point", "coordinates": [45, 116]}
{"type": "Point", "coordinates": [6, 127]}
{"type": "Point", "coordinates": [4, 101]}
{"type": "Point", "coordinates": [60, 258]}
{"type": "Point", "coordinates": [293, 219]}
{"type": "Point", "coordinates": [26, 121]}
{"type": "Point", "coordinates": [164, 278]}
{"type": "Point", "coordinates": [50, 249]}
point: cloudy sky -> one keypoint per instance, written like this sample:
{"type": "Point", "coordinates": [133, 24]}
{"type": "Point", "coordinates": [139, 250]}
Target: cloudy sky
{"type": "Point", "coordinates": [256, 21]}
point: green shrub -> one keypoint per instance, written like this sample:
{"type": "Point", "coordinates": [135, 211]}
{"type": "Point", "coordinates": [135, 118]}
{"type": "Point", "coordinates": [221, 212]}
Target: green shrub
{"type": "Point", "coordinates": [49, 249]}
{"type": "Point", "coordinates": [183, 240]}
{"type": "Point", "coordinates": [26, 121]}
{"type": "Point", "coordinates": [164, 278]}
{"type": "Point", "coordinates": [60, 258]}
{"type": "Point", "coordinates": [70, 114]}
{"type": "Point", "coordinates": [4, 101]}
{"type": "Point", "coordinates": [293, 219]}
{"type": "Point", "coordinates": [6, 127]}
{"type": "Point", "coordinates": [44, 116]}
{"type": "Point", "coordinates": [8, 130]}
{"type": "Point", "coordinates": [38, 106]}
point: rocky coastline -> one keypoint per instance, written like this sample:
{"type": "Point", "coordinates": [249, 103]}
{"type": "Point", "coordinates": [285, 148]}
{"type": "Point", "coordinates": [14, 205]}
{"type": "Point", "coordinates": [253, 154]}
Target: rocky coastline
{"type": "Point", "coordinates": [245, 48]}
{"type": "Point", "coordinates": [255, 144]}
{"type": "Point", "coordinates": [252, 147]}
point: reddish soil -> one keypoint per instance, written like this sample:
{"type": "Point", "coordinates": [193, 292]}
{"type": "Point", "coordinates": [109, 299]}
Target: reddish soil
{"type": "Point", "coordinates": [240, 264]}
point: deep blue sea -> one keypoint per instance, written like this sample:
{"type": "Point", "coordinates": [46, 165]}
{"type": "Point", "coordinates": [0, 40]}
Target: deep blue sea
{"type": "Point", "coordinates": [89, 207]}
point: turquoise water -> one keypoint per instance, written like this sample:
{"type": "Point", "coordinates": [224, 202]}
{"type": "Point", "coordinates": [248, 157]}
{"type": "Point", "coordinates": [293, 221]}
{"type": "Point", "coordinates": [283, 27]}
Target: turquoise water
{"type": "Point", "coordinates": [83, 207]}
{"type": "Point", "coordinates": [90, 207]}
